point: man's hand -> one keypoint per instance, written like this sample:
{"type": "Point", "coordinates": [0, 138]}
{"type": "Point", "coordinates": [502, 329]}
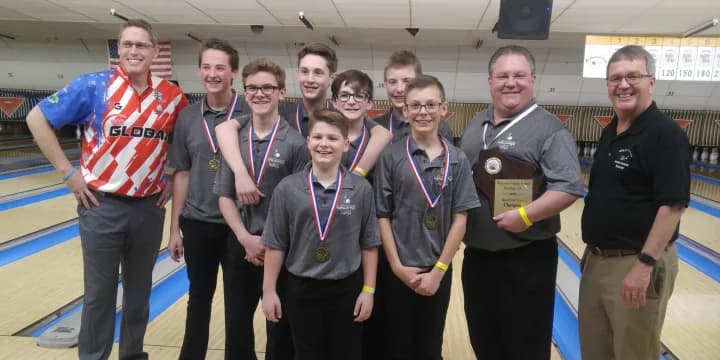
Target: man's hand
{"type": "Point", "coordinates": [635, 285]}
{"type": "Point", "coordinates": [510, 221]}
{"type": "Point", "coordinates": [82, 193]}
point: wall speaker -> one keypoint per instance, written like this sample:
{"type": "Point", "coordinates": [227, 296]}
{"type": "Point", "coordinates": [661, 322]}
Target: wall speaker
{"type": "Point", "coordinates": [524, 19]}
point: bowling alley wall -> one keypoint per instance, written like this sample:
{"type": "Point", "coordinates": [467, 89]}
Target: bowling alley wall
{"type": "Point", "coordinates": [584, 122]}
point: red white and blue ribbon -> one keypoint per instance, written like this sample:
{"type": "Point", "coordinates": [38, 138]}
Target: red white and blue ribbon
{"type": "Point", "coordinates": [431, 201]}
{"type": "Point", "coordinates": [211, 140]}
{"type": "Point", "coordinates": [361, 148]}
{"type": "Point", "coordinates": [297, 117]}
{"type": "Point", "coordinates": [323, 227]}
{"type": "Point", "coordinates": [258, 174]}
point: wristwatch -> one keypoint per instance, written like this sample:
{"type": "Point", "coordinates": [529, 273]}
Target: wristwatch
{"type": "Point", "coordinates": [646, 259]}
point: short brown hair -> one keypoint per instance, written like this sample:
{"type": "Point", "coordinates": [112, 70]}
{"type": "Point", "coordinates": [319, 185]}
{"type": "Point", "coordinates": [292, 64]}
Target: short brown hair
{"type": "Point", "coordinates": [321, 50]}
{"type": "Point", "coordinates": [402, 58]}
{"type": "Point", "coordinates": [331, 117]}
{"type": "Point", "coordinates": [633, 52]}
{"type": "Point", "coordinates": [139, 23]}
{"type": "Point", "coordinates": [264, 65]}
{"type": "Point", "coordinates": [356, 79]}
{"type": "Point", "coordinates": [512, 49]}
{"type": "Point", "coordinates": [424, 82]}
{"type": "Point", "coordinates": [221, 45]}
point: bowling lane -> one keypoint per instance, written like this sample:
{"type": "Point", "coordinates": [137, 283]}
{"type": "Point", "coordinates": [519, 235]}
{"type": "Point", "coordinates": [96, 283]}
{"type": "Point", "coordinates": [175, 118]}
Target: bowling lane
{"type": "Point", "coordinates": [28, 182]}
{"type": "Point", "coordinates": [691, 325]}
{"type": "Point", "coordinates": [33, 217]}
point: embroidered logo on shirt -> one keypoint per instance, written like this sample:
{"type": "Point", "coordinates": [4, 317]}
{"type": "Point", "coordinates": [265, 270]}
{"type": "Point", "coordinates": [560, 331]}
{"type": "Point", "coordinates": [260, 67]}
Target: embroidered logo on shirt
{"type": "Point", "coordinates": [275, 161]}
{"type": "Point", "coordinates": [346, 207]}
{"type": "Point", "coordinates": [622, 159]}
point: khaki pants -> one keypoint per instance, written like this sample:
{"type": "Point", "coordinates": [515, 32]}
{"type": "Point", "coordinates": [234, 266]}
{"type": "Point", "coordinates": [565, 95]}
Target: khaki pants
{"type": "Point", "coordinates": [608, 328]}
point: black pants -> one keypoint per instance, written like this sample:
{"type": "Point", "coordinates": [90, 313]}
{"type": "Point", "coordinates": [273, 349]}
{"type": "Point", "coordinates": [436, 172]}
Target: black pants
{"type": "Point", "coordinates": [204, 245]}
{"type": "Point", "coordinates": [243, 289]}
{"type": "Point", "coordinates": [374, 344]}
{"type": "Point", "coordinates": [415, 323]}
{"type": "Point", "coordinates": [509, 300]}
{"type": "Point", "coordinates": [321, 317]}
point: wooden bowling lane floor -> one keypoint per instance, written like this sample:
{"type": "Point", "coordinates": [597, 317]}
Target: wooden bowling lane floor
{"type": "Point", "coordinates": [27, 219]}
{"type": "Point", "coordinates": [28, 182]}
{"type": "Point", "coordinates": [692, 323]}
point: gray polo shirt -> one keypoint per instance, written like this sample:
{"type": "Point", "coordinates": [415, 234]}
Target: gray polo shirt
{"type": "Point", "coordinates": [399, 198]}
{"type": "Point", "coordinates": [401, 129]}
{"type": "Point", "coordinates": [290, 226]}
{"type": "Point", "coordinates": [297, 115]}
{"type": "Point", "coordinates": [349, 155]}
{"type": "Point", "coordinates": [288, 154]}
{"type": "Point", "coordinates": [190, 150]}
{"type": "Point", "coordinates": [539, 139]}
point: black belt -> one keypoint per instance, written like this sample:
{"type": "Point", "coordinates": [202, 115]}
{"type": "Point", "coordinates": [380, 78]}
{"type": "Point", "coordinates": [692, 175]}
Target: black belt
{"type": "Point", "coordinates": [121, 197]}
{"type": "Point", "coordinates": [612, 252]}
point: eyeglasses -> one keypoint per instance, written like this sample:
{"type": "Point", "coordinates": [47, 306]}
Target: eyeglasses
{"type": "Point", "coordinates": [138, 45]}
{"type": "Point", "coordinates": [631, 79]}
{"type": "Point", "coordinates": [359, 97]}
{"type": "Point", "coordinates": [507, 77]}
{"type": "Point", "coordinates": [429, 107]}
{"type": "Point", "coordinates": [266, 89]}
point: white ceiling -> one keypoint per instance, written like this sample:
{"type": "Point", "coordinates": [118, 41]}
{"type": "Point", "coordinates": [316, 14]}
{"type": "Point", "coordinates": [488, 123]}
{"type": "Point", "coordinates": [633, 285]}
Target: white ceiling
{"type": "Point", "coordinates": [368, 30]}
{"type": "Point", "coordinates": [449, 23]}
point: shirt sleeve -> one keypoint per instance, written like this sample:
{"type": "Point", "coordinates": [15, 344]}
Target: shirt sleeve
{"type": "Point", "coordinates": [72, 104]}
{"type": "Point", "coordinates": [178, 153]}
{"type": "Point", "coordinates": [370, 232]}
{"type": "Point", "coordinates": [276, 234]}
{"type": "Point", "coordinates": [383, 186]}
{"type": "Point", "coordinates": [560, 164]}
{"type": "Point", "coordinates": [224, 181]}
{"type": "Point", "coordinates": [670, 167]}
{"type": "Point", "coordinates": [464, 193]}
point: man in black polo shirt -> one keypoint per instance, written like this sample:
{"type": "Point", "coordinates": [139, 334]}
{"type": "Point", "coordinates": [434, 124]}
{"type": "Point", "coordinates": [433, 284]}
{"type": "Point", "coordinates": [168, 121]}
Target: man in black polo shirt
{"type": "Point", "coordinates": [639, 188]}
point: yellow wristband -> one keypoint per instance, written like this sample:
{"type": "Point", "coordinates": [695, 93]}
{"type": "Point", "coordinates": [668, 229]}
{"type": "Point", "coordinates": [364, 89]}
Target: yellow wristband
{"type": "Point", "coordinates": [524, 217]}
{"type": "Point", "coordinates": [368, 289]}
{"type": "Point", "coordinates": [362, 172]}
{"type": "Point", "coordinates": [441, 266]}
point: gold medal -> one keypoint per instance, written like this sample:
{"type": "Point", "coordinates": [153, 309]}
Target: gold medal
{"type": "Point", "coordinates": [430, 221]}
{"type": "Point", "coordinates": [322, 254]}
{"type": "Point", "coordinates": [214, 164]}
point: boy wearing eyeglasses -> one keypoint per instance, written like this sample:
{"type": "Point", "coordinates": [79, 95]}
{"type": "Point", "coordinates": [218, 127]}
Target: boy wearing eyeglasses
{"type": "Point", "coordinates": [403, 66]}
{"type": "Point", "coordinates": [274, 150]}
{"type": "Point", "coordinates": [423, 190]}
{"type": "Point", "coordinates": [352, 95]}
{"type": "Point", "coordinates": [322, 228]}
{"type": "Point", "coordinates": [317, 65]}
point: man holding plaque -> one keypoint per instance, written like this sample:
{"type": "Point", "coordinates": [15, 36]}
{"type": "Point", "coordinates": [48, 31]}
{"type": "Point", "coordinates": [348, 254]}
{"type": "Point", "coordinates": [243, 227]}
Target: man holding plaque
{"type": "Point", "coordinates": [526, 171]}
{"type": "Point", "coordinates": [639, 188]}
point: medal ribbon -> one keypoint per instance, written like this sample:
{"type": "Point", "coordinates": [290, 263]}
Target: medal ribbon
{"type": "Point", "coordinates": [515, 121]}
{"type": "Point", "coordinates": [297, 117]}
{"type": "Point", "coordinates": [361, 149]}
{"type": "Point", "coordinates": [208, 133]}
{"type": "Point", "coordinates": [431, 201]}
{"type": "Point", "coordinates": [258, 174]}
{"type": "Point", "coordinates": [323, 227]}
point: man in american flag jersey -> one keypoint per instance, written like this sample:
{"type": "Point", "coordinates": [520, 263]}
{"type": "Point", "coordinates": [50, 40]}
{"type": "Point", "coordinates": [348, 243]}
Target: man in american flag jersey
{"type": "Point", "coordinates": [128, 116]}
